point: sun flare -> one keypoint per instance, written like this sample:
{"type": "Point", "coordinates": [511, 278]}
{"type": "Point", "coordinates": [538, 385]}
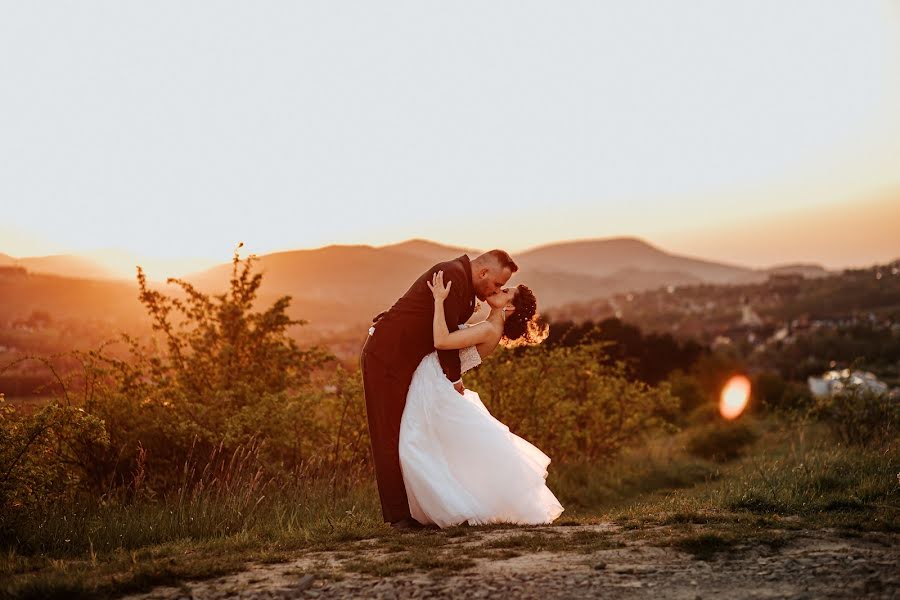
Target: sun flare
{"type": "Point", "coordinates": [735, 396]}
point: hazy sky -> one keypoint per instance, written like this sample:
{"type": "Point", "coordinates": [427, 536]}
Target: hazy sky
{"type": "Point", "coordinates": [179, 128]}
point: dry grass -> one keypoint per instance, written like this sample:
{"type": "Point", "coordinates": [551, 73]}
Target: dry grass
{"type": "Point", "coordinates": [792, 480]}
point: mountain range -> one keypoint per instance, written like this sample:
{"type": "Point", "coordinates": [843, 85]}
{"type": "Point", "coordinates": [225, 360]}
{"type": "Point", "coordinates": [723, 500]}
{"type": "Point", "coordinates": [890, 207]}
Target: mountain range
{"type": "Point", "coordinates": [342, 286]}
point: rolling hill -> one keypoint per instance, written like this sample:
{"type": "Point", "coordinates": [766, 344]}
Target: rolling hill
{"type": "Point", "coordinates": [623, 255]}
{"type": "Point", "coordinates": [347, 285]}
{"type": "Point", "coordinates": [65, 265]}
{"type": "Point", "coordinates": [66, 297]}
{"type": "Point", "coordinates": [342, 287]}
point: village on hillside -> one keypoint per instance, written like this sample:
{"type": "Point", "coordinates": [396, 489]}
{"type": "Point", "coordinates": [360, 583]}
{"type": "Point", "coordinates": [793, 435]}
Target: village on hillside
{"type": "Point", "coordinates": [803, 327]}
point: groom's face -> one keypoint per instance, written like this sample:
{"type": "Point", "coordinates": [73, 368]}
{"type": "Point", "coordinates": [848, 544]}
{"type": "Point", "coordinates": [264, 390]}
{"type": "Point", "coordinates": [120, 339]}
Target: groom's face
{"type": "Point", "coordinates": [490, 280]}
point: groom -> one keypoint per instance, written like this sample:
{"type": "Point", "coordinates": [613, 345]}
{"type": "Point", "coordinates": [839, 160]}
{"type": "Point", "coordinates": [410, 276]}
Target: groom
{"type": "Point", "coordinates": [399, 339]}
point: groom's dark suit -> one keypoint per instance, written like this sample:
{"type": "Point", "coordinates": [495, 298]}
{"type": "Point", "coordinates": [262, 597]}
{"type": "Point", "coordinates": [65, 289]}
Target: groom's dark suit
{"type": "Point", "coordinates": [402, 337]}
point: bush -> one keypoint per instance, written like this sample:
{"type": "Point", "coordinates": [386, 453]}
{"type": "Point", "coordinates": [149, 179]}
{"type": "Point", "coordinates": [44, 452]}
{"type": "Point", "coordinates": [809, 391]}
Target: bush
{"type": "Point", "coordinates": [860, 416]}
{"type": "Point", "coordinates": [776, 394]}
{"type": "Point", "coordinates": [705, 414]}
{"type": "Point", "coordinates": [768, 390]}
{"type": "Point", "coordinates": [721, 441]}
{"type": "Point", "coordinates": [220, 374]}
{"type": "Point", "coordinates": [688, 390]}
{"type": "Point", "coordinates": [566, 401]}
{"type": "Point", "coordinates": [39, 459]}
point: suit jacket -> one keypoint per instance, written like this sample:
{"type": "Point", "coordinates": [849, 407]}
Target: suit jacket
{"type": "Point", "coordinates": [403, 334]}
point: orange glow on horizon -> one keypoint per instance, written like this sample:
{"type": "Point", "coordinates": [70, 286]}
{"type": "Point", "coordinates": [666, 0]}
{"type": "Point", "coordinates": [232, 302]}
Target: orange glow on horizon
{"type": "Point", "coordinates": [734, 398]}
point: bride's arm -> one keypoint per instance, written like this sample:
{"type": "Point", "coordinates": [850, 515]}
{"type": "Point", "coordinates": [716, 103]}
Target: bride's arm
{"type": "Point", "coordinates": [486, 347]}
{"type": "Point", "coordinates": [490, 343]}
{"type": "Point", "coordinates": [444, 339]}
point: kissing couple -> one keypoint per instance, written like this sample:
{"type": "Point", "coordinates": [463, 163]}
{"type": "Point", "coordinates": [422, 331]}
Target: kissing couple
{"type": "Point", "coordinates": [440, 457]}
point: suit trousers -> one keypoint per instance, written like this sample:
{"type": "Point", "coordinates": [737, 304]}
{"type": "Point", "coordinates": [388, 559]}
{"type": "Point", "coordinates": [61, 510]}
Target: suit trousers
{"type": "Point", "coordinates": [385, 392]}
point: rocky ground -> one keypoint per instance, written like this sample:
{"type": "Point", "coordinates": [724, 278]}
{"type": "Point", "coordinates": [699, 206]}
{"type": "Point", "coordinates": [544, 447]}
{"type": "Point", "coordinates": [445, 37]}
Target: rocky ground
{"type": "Point", "coordinates": [583, 561]}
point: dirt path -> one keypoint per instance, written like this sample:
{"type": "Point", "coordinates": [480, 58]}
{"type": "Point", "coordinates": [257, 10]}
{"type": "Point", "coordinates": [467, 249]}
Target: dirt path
{"type": "Point", "coordinates": [586, 561]}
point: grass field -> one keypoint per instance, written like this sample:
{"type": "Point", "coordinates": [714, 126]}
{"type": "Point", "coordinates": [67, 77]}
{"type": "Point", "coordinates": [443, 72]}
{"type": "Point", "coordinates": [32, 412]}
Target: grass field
{"type": "Point", "coordinates": [784, 477]}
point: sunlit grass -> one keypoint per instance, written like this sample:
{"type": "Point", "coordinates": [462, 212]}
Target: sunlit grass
{"type": "Point", "coordinates": [791, 478]}
{"type": "Point", "coordinates": [799, 476]}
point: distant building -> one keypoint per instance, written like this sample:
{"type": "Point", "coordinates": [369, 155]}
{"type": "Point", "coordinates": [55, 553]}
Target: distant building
{"type": "Point", "coordinates": [801, 322]}
{"type": "Point", "coordinates": [720, 341]}
{"type": "Point", "coordinates": [834, 381]}
{"type": "Point", "coordinates": [783, 333]}
{"type": "Point", "coordinates": [748, 315]}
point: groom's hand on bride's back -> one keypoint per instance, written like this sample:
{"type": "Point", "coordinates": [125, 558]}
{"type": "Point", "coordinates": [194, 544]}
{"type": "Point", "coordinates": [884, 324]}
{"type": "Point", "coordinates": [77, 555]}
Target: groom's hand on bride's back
{"type": "Point", "coordinates": [459, 387]}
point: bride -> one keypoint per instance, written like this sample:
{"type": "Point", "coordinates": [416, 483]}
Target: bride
{"type": "Point", "coordinates": [459, 463]}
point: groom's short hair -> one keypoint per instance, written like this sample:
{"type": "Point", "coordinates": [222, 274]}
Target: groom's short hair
{"type": "Point", "coordinates": [503, 259]}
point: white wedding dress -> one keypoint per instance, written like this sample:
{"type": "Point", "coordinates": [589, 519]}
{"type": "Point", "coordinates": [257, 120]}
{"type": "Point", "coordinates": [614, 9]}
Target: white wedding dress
{"type": "Point", "coordinates": [460, 464]}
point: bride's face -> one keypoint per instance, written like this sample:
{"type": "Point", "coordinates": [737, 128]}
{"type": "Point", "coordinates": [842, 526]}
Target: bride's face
{"type": "Point", "coordinates": [502, 298]}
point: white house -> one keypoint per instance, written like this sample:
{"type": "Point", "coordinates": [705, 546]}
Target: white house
{"type": "Point", "coordinates": [834, 381]}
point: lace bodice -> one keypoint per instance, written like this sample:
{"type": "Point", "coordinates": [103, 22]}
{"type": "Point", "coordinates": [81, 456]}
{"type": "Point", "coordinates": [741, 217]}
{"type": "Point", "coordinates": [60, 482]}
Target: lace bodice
{"type": "Point", "coordinates": [468, 357]}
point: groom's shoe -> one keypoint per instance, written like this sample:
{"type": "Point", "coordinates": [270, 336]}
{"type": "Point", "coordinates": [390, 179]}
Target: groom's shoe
{"type": "Point", "coordinates": [406, 523]}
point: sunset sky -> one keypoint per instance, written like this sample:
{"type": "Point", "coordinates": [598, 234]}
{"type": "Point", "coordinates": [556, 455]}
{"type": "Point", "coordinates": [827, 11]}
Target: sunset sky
{"type": "Point", "coordinates": [750, 132]}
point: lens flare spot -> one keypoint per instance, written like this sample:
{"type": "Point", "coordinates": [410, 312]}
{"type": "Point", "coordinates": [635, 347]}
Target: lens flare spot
{"type": "Point", "coordinates": [735, 396]}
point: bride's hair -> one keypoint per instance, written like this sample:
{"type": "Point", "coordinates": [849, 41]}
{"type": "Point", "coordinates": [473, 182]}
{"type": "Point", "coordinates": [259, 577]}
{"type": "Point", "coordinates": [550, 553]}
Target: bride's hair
{"type": "Point", "coordinates": [524, 326]}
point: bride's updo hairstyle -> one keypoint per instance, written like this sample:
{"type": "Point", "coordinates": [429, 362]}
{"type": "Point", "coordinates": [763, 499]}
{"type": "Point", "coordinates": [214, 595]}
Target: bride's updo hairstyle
{"type": "Point", "coordinates": [524, 327]}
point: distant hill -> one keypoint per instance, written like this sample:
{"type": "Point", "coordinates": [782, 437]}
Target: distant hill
{"type": "Point", "coordinates": [343, 286]}
{"type": "Point", "coordinates": [66, 265]}
{"type": "Point", "coordinates": [606, 257]}
{"type": "Point", "coordinates": [65, 297]}
{"type": "Point", "coordinates": [330, 286]}
{"type": "Point", "coordinates": [432, 251]}
{"type": "Point", "coordinates": [338, 286]}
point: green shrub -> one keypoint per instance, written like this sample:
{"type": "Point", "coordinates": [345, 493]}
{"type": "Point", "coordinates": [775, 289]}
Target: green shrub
{"type": "Point", "coordinates": [861, 416]}
{"type": "Point", "coordinates": [688, 390]}
{"type": "Point", "coordinates": [768, 390]}
{"type": "Point", "coordinates": [218, 375]}
{"type": "Point", "coordinates": [721, 441]}
{"type": "Point", "coordinates": [789, 398]}
{"type": "Point", "coordinates": [568, 403]}
{"type": "Point", "coordinates": [40, 462]}
{"type": "Point", "coordinates": [704, 414]}
{"type": "Point", "coordinates": [221, 374]}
